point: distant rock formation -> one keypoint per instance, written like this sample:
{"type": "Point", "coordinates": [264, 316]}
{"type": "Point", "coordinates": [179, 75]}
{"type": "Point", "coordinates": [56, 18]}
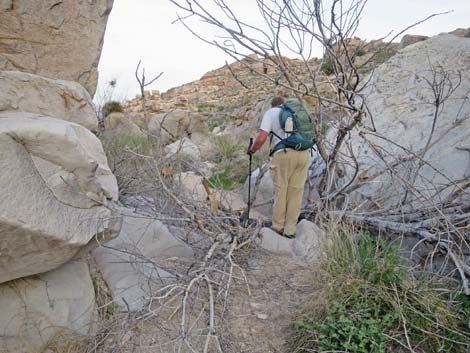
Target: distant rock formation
{"type": "Point", "coordinates": [55, 39]}
{"type": "Point", "coordinates": [409, 39]}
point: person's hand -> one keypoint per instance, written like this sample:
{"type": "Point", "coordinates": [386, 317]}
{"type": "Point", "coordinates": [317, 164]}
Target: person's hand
{"type": "Point", "coordinates": [249, 150]}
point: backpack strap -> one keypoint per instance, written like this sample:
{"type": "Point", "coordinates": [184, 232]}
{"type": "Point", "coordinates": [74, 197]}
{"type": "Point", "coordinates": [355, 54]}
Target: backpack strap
{"type": "Point", "coordinates": [272, 133]}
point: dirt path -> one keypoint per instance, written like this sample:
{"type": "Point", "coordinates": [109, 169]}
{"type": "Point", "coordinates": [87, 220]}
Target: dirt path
{"type": "Point", "coordinates": [255, 321]}
{"type": "Point", "coordinates": [258, 323]}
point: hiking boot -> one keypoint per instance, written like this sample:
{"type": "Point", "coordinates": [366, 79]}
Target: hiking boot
{"type": "Point", "coordinates": [276, 231]}
{"type": "Point", "coordinates": [288, 236]}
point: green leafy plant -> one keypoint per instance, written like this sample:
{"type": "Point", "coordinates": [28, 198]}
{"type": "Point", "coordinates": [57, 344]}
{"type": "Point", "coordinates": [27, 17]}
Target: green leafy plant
{"type": "Point", "coordinates": [375, 305]}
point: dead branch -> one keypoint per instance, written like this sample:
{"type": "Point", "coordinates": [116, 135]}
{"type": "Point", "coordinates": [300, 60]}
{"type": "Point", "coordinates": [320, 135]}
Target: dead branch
{"type": "Point", "coordinates": [141, 80]}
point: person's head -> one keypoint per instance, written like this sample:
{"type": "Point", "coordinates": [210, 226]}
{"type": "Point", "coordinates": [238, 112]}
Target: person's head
{"type": "Point", "coordinates": [277, 101]}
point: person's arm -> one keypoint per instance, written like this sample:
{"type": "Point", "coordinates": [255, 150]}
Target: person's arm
{"type": "Point", "coordinates": [259, 141]}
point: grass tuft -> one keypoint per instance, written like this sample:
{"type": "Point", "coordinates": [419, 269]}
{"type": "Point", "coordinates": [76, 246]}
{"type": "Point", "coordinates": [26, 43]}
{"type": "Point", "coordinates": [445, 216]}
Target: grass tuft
{"type": "Point", "coordinates": [374, 304]}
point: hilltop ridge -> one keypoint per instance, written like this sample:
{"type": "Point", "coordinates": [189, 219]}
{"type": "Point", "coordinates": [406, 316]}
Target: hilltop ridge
{"type": "Point", "coordinates": [238, 87]}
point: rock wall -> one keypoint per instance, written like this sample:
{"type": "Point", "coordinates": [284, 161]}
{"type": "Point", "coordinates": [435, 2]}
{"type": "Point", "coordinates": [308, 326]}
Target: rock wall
{"type": "Point", "coordinates": [400, 99]}
{"type": "Point", "coordinates": [55, 39]}
{"type": "Point", "coordinates": [36, 309]}
{"type": "Point", "coordinates": [57, 191]}
{"type": "Point", "coordinates": [55, 188]}
{"type": "Point", "coordinates": [59, 99]}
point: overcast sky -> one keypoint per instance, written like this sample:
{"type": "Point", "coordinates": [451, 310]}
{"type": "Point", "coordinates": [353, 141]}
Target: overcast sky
{"type": "Point", "coordinates": [143, 29]}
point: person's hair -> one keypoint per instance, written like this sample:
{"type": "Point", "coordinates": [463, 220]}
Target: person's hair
{"type": "Point", "coordinates": [277, 101]}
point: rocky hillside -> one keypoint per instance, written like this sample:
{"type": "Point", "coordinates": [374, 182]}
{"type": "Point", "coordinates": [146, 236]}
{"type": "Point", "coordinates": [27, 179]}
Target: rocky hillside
{"type": "Point", "coordinates": [239, 88]}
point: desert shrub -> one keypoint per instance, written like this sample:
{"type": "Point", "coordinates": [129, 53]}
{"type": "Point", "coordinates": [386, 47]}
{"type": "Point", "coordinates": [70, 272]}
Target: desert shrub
{"type": "Point", "coordinates": [226, 148]}
{"type": "Point", "coordinates": [122, 152]}
{"type": "Point", "coordinates": [67, 342]}
{"type": "Point", "coordinates": [232, 175]}
{"type": "Point", "coordinates": [222, 180]}
{"type": "Point", "coordinates": [382, 56]}
{"type": "Point", "coordinates": [360, 52]}
{"type": "Point", "coordinates": [203, 107]}
{"type": "Point", "coordinates": [230, 154]}
{"type": "Point", "coordinates": [111, 107]}
{"type": "Point", "coordinates": [373, 304]}
{"type": "Point", "coordinates": [328, 67]}
{"type": "Point", "coordinates": [217, 120]}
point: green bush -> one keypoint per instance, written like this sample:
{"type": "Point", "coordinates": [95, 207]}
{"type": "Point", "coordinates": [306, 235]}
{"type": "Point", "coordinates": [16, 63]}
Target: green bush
{"type": "Point", "coordinates": [226, 148]}
{"type": "Point", "coordinates": [375, 305]}
{"type": "Point", "coordinates": [111, 107]}
{"type": "Point", "coordinates": [360, 52]}
{"type": "Point", "coordinates": [221, 180]}
{"type": "Point", "coordinates": [328, 67]}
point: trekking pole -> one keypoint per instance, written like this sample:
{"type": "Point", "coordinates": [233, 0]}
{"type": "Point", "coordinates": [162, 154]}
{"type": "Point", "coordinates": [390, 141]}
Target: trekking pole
{"type": "Point", "coordinates": [249, 184]}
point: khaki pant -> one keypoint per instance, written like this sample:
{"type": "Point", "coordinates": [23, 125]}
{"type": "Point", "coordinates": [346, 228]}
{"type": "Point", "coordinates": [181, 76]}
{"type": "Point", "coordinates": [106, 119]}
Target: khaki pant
{"type": "Point", "coordinates": [289, 172]}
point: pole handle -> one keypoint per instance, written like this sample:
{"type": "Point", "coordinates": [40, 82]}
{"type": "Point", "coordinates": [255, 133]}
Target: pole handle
{"type": "Point", "coordinates": [251, 143]}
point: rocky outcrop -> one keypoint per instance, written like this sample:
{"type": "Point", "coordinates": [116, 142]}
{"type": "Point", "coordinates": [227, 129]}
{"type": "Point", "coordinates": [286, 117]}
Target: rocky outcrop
{"type": "Point", "coordinates": [461, 32]}
{"type": "Point", "coordinates": [130, 263]}
{"type": "Point", "coordinates": [176, 124]}
{"type": "Point", "coordinates": [55, 186]}
{"type": "Point", "coordinates": [183, 147]}
{"type": "Point", "coordinates": [117, 124]}
{"type": "Point", "coordinates": [59, 99]}
{"type": "Point", "coordinates": [409, 39]}
{"type": "Point", "coordinates": [400, 100]}
{"type": "Point", "coordinates": [55, 39]}
{"type": "Point", "coordinates": [36, 309]}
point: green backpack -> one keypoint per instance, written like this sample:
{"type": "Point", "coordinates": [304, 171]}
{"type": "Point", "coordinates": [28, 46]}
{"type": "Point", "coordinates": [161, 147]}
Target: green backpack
{"type": "Point", "coordinates": [302, 137]}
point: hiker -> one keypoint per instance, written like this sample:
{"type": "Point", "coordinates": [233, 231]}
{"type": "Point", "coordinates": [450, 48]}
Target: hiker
{"type": "Point", "coordinates": [288, 169]}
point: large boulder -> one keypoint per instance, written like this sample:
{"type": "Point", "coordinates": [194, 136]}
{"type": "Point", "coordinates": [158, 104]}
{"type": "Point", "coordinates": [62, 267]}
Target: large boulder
{"type": "Point", "coordinates": [176, 124]}
{"type": "Point", "coordinates": [308, 244]}
{"type": "Point", "coordinates": [130, 262]}
{"type": "Point", "coordinates": [118, 124]}
{"type": "Point", "coordinates": [36, 309]}
{"type": "Point", "coordinates": [400, 101]}
{"type": "Point", "coordinates": [192, 185]}
{"type": "Point", "coordinates": [55, 98]}
{"type": "Point", "coordinates": [56, 39]}
{"type": "Point", "coordinates": [56, 190]}
{"type": "Point", "coordinates": [185, 147]}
